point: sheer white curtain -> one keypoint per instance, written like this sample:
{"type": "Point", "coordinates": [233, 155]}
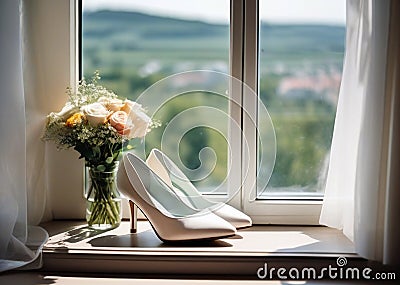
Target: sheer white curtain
{"type": "Point", "coordinates": [357, 190]}
{"type": "Point", "coordinates": [22, 188]}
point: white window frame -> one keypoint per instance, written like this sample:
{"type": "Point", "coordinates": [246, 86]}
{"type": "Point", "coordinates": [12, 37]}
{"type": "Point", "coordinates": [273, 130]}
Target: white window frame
{"type": "Point", "coordinates": [266, 211]}
{"type": "Point", "coordinates": [243, 66]}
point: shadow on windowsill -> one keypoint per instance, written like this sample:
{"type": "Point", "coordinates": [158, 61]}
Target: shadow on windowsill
{"type": "Point", "coordinates": [148, 239]}
{"type": "Point", "coordinates": [77, 234]}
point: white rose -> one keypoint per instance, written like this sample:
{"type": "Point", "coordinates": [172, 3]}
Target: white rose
{"type": "Point", "coordinates": [95, 113]}
{"type": "Point", "coordinates": [112, 104]}
{"type": "Point", "coordinates": [67, 111]}
{"type": "Point", "coordinates": [141, 123]}
{"type": "Point", "coordinates": [130, 106]}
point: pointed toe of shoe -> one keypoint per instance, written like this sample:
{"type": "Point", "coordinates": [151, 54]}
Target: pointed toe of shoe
{"type": "Point", "coordinates": [209, 226]}
{"type": "Point", "coordinates": [235, 217]}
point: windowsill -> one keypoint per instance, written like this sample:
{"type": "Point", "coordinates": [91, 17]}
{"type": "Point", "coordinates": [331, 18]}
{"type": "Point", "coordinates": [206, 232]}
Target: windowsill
{"type": "Point", "coordinates": [73, 247]}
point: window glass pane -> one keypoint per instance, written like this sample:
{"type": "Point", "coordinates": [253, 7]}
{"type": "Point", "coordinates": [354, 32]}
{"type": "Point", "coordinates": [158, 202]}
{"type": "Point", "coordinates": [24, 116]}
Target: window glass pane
{"type": "Point", "coordinates": [134, 44]}
{"type": "Point", "coordinates": [301, 53]}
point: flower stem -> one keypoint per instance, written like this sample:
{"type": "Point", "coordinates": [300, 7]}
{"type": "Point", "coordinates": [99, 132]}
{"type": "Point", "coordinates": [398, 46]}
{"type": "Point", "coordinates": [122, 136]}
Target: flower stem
{"type": "Point", "coordinates": [104, 203]}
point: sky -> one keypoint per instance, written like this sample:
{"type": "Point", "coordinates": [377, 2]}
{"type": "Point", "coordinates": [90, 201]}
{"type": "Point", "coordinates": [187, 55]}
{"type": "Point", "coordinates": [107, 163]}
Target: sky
{"type": "Point", "coordinates": [217, 11]}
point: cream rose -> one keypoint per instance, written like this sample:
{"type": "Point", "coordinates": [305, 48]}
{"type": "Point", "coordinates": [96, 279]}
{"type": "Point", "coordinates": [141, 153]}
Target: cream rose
{"type": "Point", "coordinates": [112, 104]}
{"type": "Point", "coordinates": [119, 120]}
{"type": "Point", "coordinates": [137, 117]}
{"type": "Point", "coordinates": [130, 106]}
{"type": "Point", "coordinates": [67, 111]}
{"type": "Point", "coordinates": [95, 113]}
{"type": "Point", "coordinates": [141, 123]}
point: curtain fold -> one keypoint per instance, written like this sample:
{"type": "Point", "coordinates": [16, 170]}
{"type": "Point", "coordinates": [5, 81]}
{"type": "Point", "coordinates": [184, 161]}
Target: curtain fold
{"type": "Point", "coordinates": [356, 190]}
{"type": "Point", "coordinates": [20, 241]}
{"type": "Point", "coordinates": [392, 198]}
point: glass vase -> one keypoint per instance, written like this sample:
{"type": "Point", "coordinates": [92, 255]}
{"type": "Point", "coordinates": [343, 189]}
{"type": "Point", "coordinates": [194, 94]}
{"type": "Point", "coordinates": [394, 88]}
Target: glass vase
{"type": "Point", "coordinates": [103, 201]}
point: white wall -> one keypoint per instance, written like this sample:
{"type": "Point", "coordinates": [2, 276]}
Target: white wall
{"type": "Point", "coordinates": [50, 66]}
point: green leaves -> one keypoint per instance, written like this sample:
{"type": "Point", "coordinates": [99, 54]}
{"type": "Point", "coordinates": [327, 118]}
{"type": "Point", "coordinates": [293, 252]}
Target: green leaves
{"type": "Point", "coordinates": [101, 167]}
{"type": "Point", "coordinates": [98, 145]}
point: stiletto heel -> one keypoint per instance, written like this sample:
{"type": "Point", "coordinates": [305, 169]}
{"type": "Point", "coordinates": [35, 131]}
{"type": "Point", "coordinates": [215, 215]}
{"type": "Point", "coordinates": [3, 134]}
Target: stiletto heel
{"type": "Point", "coordinates": [133, 211]}
{"type": "Point", "coordinates": [171, 219]}
{"type": "Point", "coordinates": [167, 170]}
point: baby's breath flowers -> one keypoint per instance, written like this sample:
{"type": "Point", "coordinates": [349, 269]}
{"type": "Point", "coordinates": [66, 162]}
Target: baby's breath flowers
{"type": "Point", "coordinates": [98, 125]}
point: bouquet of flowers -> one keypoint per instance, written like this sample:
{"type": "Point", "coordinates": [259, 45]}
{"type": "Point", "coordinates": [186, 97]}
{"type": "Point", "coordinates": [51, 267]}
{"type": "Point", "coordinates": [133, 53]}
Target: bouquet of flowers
{"type": "Point", "coordinates": [98, 125]}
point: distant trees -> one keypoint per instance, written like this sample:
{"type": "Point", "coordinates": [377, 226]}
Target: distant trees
{"type": "Point", "coordinates": [121, 44]}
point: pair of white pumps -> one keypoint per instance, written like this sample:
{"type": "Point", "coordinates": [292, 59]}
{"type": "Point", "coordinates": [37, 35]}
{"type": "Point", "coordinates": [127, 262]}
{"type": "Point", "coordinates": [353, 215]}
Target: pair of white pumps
{"type": "Point", "coordinates": [173, 206]}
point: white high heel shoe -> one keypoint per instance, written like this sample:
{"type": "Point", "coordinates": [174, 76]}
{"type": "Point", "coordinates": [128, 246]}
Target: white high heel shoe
{"type": "Point", "coordinates": [167, 170]}
{"type": "Point", "coordinates": [171, 219]}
